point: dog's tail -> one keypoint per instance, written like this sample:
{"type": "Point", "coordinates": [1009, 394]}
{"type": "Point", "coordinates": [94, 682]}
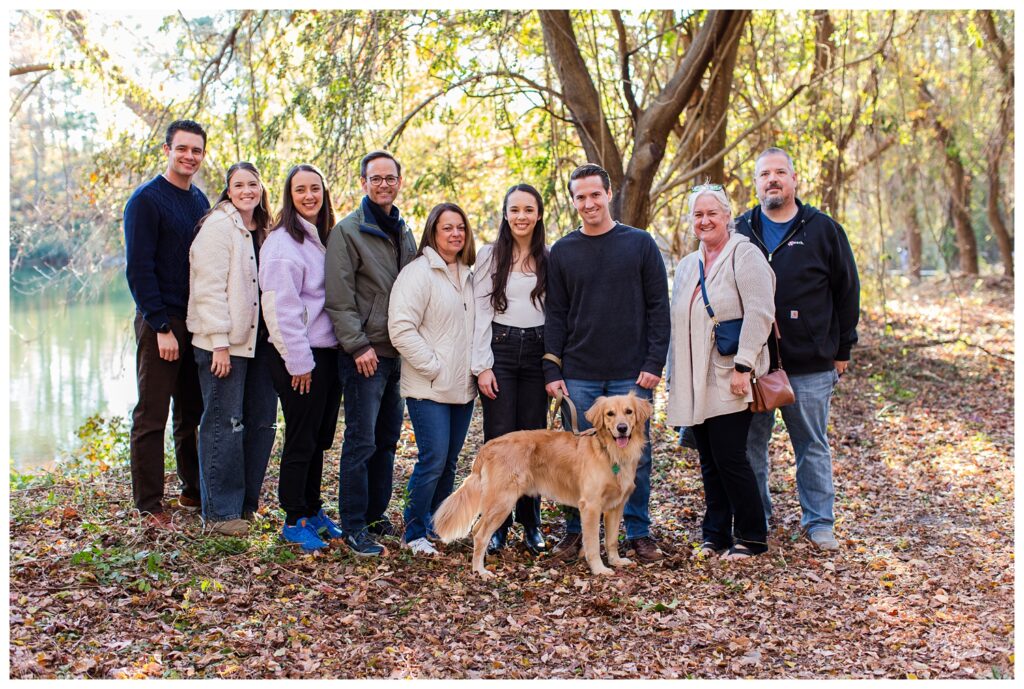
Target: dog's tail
{"type": "Point", "coordinates": [455, 516]}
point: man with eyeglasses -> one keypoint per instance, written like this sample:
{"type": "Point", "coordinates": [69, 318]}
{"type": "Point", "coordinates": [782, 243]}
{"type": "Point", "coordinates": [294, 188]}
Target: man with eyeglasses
{"type": "Point", "coordinates": [365, 253]}
{"type": "Point", "coordinates": [817, 306]}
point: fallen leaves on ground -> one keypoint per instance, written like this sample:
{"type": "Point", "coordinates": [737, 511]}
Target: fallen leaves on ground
{"type": "Point", "coordinates": [922, 587]}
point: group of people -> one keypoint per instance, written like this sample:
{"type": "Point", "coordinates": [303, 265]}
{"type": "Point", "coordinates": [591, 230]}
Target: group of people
{"type": "Point", "coordinates": [238, 307]}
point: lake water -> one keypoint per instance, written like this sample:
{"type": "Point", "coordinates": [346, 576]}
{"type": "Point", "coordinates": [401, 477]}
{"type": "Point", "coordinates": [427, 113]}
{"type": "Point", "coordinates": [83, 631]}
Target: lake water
{"type": "Point", "coordinates": [68, 361]}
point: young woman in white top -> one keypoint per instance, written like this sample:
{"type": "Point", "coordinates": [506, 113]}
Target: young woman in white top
{"type": "Point", "coordinates": [508, 342]}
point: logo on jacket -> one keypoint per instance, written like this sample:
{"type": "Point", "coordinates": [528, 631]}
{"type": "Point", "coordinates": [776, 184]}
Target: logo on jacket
{"type": "Point", "coordinates": [794, 243]}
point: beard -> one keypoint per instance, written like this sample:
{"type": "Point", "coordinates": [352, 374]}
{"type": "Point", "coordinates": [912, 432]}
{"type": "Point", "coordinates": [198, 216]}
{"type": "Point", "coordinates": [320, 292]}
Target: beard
{"type": "Point", "coordinates": [774, 202]}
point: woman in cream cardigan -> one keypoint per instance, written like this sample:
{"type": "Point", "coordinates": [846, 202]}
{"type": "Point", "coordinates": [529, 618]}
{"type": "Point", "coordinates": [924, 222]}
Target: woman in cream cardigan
{"type": "Point", "coordinates": [229, 339]}
{"type": "Point", "coordinates": [711, 392]}
{"type": "Point", "coordinates": [430, 320]}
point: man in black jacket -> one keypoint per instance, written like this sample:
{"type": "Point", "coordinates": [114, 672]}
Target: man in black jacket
{"type": "Point", "coordinates": [817, 306]}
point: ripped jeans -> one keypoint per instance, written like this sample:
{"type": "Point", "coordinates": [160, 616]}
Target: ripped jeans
{"type": "Point", "coordinates": [236, 433]}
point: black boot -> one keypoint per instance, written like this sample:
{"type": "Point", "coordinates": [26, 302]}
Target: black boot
{"type": "Point", "coordinates": [533, 539]}
{"type": "Point", "coordinates": [498, 541]}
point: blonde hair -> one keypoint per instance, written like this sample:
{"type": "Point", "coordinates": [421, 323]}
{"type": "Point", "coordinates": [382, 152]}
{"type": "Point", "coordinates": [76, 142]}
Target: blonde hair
{"type": "Point", "coordinates": [717, 192]}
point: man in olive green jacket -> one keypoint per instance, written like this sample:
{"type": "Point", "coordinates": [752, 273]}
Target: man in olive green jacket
{"type": "Point", "coordinates": [365, 252]}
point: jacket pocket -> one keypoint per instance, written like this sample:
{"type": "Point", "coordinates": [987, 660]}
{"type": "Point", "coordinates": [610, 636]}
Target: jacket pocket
{"type": "Point", "coordinates": [376, 324]}
{"type": "Point", "coordinates": [723, 367]}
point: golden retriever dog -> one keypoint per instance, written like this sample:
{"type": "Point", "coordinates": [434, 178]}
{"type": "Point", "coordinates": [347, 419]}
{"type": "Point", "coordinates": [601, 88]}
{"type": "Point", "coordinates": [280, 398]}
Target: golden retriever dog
{"type": "Point", "coordinates": [592, 472]}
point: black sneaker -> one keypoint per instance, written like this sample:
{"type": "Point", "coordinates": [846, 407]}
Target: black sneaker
{"type": "Point", "coordinates": [382, 529]}
{"type": "Point", "coordinates": [362, 544]}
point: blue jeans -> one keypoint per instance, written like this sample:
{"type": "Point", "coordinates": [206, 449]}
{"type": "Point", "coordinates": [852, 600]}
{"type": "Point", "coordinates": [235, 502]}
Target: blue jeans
{"type": "Point", "coordinates": [373, 424]}
{"type": "Point", "coordinates": [807, 423]}
{"type": "Point", "coordinates": [440, 432]}
{"type": "Point", "coordinates": [236, 433]}
{"type": "Point", "coordinates": [636, 516]}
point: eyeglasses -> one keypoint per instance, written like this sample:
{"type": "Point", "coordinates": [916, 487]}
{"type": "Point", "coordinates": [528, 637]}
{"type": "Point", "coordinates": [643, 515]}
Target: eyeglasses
{"type": "Point", "coordinates": [377, 180]}
{"type": "Point", "coordinates": [706, 187]}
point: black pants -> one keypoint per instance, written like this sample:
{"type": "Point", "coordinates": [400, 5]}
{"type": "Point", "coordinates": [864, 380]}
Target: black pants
{"type": "Point", "coordinates": [309, 423]}
{"type": "Point", "coordinates": [730, 489]}
{"type": "Point", "coordinates": [159, 382]}
{"type": "Point", "coordinates": [522, 402]}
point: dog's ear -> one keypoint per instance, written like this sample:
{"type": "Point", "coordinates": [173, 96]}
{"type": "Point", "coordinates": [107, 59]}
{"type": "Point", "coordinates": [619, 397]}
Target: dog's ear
{"type": "Point", "coordinates": [595, 411]}
{"type": "Point", "coordinates": [641, 407]}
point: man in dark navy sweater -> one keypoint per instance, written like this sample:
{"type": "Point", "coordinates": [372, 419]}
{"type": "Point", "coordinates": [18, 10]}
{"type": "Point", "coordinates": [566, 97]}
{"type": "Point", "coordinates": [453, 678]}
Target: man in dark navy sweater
{"type": "Point", "coordinates": [817, 306]}
{"type": "Point", "coordinates": [606, 319]}
{"type": "Point", "coordinates": [159, 224]}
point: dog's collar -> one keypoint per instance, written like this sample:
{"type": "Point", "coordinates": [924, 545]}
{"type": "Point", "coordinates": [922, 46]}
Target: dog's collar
{"type": "Point", "coordinates": [615, 468]}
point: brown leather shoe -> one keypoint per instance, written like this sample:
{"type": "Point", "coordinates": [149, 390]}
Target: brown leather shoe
{"type": "Point", "coordinates": [645, 549]}
{"type": "Point", "coordinates": [158, 521]}
{"type": "Point", "coordinates": [188, 504]}
{"type": "Point", "coordinates": [237, 528]}
{"type": "Point", "coordinates": [568, 549]}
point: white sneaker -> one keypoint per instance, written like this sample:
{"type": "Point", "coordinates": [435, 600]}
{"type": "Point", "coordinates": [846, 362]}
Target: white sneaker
{"type": "Point", "coordinates": [421, 546]}
{"type": "Point", "coordinates": [823, 539]}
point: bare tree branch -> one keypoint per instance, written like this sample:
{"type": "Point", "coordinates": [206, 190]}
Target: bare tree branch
{"type": "Point", "coordinates": [28, 69]}
{"type": "Point", "coordinates": [397, 133]}
{"type": "Point", "coordinates": [627, 82]}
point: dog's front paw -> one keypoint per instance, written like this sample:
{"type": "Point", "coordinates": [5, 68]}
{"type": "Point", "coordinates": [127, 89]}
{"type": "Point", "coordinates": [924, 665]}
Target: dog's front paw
{"type": "Point", "coordinates": [484, 574]}
{"type": "Point", "coordinates": [602, 570]}
{"type": "Point", "coordinates": [620, 562]}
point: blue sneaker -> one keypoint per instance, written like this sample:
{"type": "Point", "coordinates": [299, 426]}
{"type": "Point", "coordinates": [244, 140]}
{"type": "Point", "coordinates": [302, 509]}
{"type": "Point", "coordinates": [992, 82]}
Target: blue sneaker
{"type": "Point", "coordinates": [304, 535]}
{"type": "Point", "coordinates": [362, 544]}
{"type": "Point", "coordinates": [324, 527]}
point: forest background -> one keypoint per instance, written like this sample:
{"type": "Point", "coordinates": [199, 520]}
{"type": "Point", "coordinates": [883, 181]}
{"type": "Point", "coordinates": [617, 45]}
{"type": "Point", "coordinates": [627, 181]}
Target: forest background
{"type": "Point", "coordinates": [901, 124]}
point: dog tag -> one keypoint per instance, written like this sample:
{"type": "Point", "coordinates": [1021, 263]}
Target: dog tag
{"type": "Point", "coordinates": [615, 468]}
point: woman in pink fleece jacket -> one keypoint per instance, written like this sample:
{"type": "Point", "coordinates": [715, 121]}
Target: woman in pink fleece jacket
{"type": "Point", "coordinates": [305, 375]}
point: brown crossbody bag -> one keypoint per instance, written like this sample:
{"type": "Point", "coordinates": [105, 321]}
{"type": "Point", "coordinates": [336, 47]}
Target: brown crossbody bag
{"type": "Point", "coordinates": [772, 390]}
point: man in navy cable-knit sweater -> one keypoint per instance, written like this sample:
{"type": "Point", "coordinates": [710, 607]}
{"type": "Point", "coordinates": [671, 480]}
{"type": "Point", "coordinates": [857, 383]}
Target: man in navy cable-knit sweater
{"type": "Point", "coordinates": [606, 318]}
{"type": "Point", "coordinates": [159, 224]}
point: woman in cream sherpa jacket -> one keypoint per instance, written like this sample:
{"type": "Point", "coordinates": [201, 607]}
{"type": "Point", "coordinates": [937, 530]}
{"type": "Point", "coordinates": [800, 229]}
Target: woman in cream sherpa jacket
{"type": "Point", "coordinates": [711, 392]}
{"type": "Point", "coordinates": [430, 320]}
{"type": "Point", "coordinates": [236, 432]}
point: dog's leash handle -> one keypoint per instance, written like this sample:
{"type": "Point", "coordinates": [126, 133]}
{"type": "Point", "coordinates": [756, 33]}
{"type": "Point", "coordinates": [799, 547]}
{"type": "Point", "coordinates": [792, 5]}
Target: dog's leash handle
{"type": "Point", "coordinates": [559, 399]}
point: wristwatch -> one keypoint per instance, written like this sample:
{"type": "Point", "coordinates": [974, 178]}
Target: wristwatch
{"type": "Point", "coordinates": [164, 329]}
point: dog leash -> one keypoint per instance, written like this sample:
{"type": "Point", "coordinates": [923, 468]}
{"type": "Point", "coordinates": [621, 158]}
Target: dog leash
{"type": "Point", "coordinates": [559, 399]}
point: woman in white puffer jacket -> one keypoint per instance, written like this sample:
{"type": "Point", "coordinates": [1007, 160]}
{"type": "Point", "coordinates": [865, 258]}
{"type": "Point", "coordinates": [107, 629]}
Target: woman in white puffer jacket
{"type": "Point", "coordinates": [430, 320]}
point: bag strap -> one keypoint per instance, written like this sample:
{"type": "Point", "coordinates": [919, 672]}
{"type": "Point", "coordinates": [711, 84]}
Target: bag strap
{"type": "Point", "coordinates": [559, 399]}
{"type": "Point", "coordinates": [704, 293]}
{"type": "Point", "coordinates": [775, 335]}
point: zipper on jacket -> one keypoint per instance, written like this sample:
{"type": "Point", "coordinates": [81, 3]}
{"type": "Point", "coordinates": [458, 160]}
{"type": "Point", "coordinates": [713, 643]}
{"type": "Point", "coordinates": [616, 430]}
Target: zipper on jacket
{"type": "Point", "coordinates": [785, 239]}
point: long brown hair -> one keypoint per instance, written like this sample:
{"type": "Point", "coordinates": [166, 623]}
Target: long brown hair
{"type": "Point", "coordinates": [288, 217]}
{"type": "Point", "coordinates": [503, 249]}
{"type": "Point", "coordinates": [467, 253]}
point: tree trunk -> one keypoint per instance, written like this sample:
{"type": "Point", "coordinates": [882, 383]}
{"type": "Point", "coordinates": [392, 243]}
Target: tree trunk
{"type": "Point", "coordinates": [581, 96]}
{"type": "Point", "coordinates": [715, 118]}
{"type": "Point", "coordinates": [824, 57]}
{"type": "Point", "coordinates": [997, 143]}
{"type": "Point", "coordinates": [721, 29]}
{"type": "Point", "coordinates": [631, 202]}
{"type": "Point", "coordinates": [995, 217]}
{"type": "Point", "coordinates": [959, 187]}
{"type": "Point", "coordinates": [914, 244]}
